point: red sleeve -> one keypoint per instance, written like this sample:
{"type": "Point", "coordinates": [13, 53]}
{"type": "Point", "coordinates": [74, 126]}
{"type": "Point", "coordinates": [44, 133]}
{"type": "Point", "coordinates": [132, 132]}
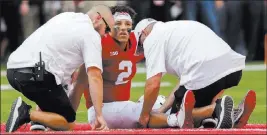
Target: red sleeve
{"type": "Point", "coordinates": [139, 58]}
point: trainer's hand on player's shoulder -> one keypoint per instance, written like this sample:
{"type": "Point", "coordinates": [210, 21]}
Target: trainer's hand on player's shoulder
{"type": "Point", "coordinates": [100, 124]}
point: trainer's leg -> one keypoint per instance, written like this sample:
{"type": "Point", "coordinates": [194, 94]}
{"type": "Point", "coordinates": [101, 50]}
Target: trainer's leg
{"type": "Point", "coordinates": [52, 120]}
{"type": "Point", "coordinates": [57, 112]}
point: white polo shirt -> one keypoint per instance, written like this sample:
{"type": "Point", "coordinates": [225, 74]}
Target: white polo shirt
{"type": "Point", "coordinates": [191, 51]}
{"type": "Point", "coordinates": [66, 41]}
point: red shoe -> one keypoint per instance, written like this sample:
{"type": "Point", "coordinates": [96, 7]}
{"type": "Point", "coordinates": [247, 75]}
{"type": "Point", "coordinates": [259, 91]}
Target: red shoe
{"type": "Point", "coordinates": [185, 118]}
{"type": "Point", "coordinates": [244, 110]}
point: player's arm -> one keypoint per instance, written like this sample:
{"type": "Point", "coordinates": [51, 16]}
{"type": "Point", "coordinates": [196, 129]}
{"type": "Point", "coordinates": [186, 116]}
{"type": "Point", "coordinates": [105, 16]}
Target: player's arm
{"type": "Point", "coordinates": [80, 83]}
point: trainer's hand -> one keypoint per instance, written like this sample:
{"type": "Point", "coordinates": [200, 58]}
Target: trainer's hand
{"type": "Point", "coordinates": [100, 124]}
{"type": "Point", "coordinates": [143, 121]}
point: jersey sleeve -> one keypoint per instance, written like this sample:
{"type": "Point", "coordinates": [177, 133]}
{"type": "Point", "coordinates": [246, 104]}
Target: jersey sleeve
{"type": "Point", "coordinates": [92, 51]}
{"type": "Point", "coordinates": [155, 58]}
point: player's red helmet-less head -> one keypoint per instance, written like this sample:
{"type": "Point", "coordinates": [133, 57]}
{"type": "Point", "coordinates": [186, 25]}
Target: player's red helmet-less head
{"type": "Point", "coordinates": [124, 18]}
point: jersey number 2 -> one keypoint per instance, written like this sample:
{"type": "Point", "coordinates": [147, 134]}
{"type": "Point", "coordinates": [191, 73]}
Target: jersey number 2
{"type": "Point", "coordinates": [124, 64]}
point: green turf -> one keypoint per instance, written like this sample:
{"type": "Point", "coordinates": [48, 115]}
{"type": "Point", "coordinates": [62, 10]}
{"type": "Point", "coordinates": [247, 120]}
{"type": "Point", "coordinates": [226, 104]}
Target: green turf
{"type": "Point", "coordinates": [251, 80]}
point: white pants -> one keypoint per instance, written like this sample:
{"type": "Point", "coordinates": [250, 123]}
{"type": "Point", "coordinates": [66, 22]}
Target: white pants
{"type": "Point", "coordinates": [123, 114]}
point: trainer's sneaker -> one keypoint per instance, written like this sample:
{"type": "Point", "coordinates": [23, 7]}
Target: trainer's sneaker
{"type": "Point", "coordinates": [37, 126]}
{"type": "Point", "coordinates": [209, 123]}
{"type": "Point", "coordinates": [244, 110]}
{"type": "Point", "coordinates": [18, 116]}
{"type": "Point", "coordinates": [185, 118]}
{"type": "Point", "coordinates": [224, 112]}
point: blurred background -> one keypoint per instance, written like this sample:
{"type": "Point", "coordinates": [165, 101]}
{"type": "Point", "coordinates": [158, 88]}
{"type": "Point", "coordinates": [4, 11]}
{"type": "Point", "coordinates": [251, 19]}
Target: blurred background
{"type": "Point", "coordinates": [239, 23]}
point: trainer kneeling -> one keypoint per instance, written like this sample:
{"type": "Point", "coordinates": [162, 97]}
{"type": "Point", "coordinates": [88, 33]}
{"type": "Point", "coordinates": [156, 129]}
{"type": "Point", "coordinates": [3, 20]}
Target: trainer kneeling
{"type": "Point", "coordinates": [43, 64]}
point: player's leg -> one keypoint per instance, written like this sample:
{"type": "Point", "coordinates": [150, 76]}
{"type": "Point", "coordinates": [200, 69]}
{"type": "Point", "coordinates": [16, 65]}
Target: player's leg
{"type": "Point", "coordinates": [244, 109]}
{"type": "Point", "coordinates": [246, 106]}
{"type": "Point", "coordinates": [182, 119]}
{"type": "Point", "coordinates": [203, 107]}
{"type": "Point", "coordinates": [118, 115]}
{"type": "Point", "coordinates": [222, 110]}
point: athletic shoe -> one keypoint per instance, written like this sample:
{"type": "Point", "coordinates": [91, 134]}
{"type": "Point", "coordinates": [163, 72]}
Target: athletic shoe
{"type": "Point", "coordinates": [185, 118]}
{"type": "Point", "coordinates": [18, 116]}
{"type": "Point", "coordinates": [244, 110]}
{"type": "Point", "coordinates": [209, 123]}
{"type": "Point", "coordinates": [224, 112]}
{"type": "Point", "coordinates": [37, 126]}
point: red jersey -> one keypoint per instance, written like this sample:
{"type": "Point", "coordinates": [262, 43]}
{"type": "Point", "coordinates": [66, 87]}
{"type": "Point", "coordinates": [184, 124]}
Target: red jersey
{"type": "Point", "coordinates": [119, 68]}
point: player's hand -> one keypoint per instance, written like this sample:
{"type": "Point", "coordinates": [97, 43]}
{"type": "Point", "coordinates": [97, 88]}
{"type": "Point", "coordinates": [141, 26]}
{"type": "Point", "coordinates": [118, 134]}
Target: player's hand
{"type": "Point", "coordinates": [143, 121]}
{"type": "Point", "coordinates": [100, 124]}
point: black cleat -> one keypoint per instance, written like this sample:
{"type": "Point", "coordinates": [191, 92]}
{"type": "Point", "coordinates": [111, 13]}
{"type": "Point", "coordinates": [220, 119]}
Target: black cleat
{"type": "Point", "coordinates": [35, 126]}
{"type": "Point", "coordinates": [18, 116]}
{"type": "Point", "coordinates": [209, 123]}
{"type": "Point", "coordinates": [224, 112]}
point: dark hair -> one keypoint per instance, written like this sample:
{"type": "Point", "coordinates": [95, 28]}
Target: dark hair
{"type": "Point", "coordinates": [126, 9]}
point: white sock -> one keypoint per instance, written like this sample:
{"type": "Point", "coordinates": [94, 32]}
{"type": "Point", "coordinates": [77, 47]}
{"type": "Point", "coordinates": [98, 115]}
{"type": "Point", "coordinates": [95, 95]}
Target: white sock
{"type": "Point", "coordinates": [172, 120]}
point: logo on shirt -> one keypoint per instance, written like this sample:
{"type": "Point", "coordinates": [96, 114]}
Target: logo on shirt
{"type": "Point", "coordinates": [114, 53]}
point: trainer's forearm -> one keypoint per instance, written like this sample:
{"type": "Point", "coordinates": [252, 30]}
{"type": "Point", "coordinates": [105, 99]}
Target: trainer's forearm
{"type": "Point", "coordinates": [96, 91]}
{"type": "Point", "coordinates": [151, 94]}
{"type": "Point", "coordinates": [150, 98]}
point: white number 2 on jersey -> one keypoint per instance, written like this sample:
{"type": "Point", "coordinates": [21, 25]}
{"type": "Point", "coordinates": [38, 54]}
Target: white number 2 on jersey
{"type": "Point", "coordinates": [124, 64]}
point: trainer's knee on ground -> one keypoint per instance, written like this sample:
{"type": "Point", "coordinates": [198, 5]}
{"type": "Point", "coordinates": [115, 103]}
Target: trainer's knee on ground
{"type": "Point", "coordinates": [70, 116]}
